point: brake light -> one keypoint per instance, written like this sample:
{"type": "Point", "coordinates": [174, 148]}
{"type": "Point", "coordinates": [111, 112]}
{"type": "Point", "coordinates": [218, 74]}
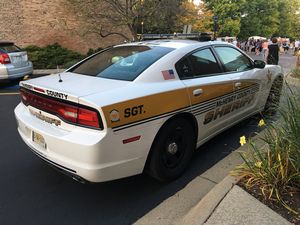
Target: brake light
{"type": "Point", "coordinates": [88, 118]}
{"type": "Point", "coordinates": [4, 58]}
{"type": "Point", "coordinates": [75, 114]}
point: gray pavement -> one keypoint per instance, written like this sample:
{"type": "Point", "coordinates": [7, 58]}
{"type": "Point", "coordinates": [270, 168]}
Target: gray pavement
{"type": "Point", "coordinates": [286, 61]}
{"type": "Point", "coordinates": [240, 208]}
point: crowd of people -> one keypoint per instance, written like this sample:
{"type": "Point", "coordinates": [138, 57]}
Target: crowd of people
{"type": "Point", "coordinates": [269, 49]}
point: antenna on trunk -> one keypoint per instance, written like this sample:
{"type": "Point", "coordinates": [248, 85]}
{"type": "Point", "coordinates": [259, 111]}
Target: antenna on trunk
{"type": "Point", "coordinates": [60, 80]}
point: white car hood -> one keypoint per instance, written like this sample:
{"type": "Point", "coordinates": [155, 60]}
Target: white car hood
{"type": "Point", "coordinates": [72, 87]}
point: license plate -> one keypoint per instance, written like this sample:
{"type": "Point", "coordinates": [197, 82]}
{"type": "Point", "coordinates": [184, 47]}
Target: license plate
{"type": "Point", "coordinates": [39, 139]}
{"type": "Point", "coordinates": [17, 59]}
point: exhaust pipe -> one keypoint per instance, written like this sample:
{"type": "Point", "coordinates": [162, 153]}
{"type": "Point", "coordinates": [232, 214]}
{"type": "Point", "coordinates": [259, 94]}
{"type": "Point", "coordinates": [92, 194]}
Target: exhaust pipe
{"type": "Point", "coordinates": [79, 179]}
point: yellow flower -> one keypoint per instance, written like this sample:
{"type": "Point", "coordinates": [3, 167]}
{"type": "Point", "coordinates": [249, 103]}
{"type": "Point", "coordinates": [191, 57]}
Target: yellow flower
{"type": "Point", "coordinates": [261, 123]}
{"type": "Point", "coordinates": [258, 164]}
{"type": "Point", "coordinates": [243, 140]}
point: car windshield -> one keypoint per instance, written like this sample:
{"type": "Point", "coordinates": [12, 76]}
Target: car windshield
{"type": "Point", "coordinates": [8, 48]}
{"type": "Point", "coordinates": [121, 63]}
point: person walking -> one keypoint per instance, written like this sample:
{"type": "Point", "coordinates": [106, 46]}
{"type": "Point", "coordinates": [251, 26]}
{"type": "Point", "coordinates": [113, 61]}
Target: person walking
{"type": "Point", "coordinates": [296, 47]}
{"type": "Point", "coordinates": [257, 47]}
{"type": "Point", "coordinates": [265, 50]}
{"type": "Point", "coordinates": [273, 56]}
{"type": "Point", "coordinates": [285, 47]}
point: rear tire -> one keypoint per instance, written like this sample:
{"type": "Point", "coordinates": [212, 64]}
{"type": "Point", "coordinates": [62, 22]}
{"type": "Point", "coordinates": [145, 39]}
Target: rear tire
{"type": "Point", "coordinates": [274, 97]}
{"type": "Point", "coordinates": [172, 150]}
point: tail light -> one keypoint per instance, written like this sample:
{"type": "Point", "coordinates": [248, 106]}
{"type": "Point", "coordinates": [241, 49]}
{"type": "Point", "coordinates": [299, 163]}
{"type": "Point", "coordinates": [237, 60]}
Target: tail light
{"type": "Point", "coordinates": [4, 58]}
{"type": "Point", "coordinates": [75, 114]}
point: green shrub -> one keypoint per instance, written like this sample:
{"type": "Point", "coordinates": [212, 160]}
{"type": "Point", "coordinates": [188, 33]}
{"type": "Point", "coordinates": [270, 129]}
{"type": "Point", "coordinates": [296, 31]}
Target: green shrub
{"type": "Point", "coordinates": [276, 168]}
{"type": "Point", "coordinates": [93, 51]}
{"type": "Point", "coordinates": [52, 56]}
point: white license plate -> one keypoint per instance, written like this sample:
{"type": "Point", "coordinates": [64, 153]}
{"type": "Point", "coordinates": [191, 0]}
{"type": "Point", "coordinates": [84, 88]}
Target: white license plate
{"type": "Point", "coordinates": [17, 59]}
{"type": "Point", "coordinates": [39, 139]}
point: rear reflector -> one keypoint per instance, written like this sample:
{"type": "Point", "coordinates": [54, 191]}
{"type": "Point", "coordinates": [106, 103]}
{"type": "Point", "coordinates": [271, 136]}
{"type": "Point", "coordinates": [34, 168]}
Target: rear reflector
{"type": "Point", "coordinates": [76, 114]}
{"type": "Point", "coordinates": [129, 140]}
{"type": "Point", "coordinates": [39, 89]}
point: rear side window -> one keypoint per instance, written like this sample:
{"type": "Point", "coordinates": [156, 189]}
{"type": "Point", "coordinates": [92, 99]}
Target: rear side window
{"type": "Point", "coordinates": [121, 63]}
{"type": "Point", "coordinates": [233, 60]}
{"type": "Point", "coordinates": [9, 48]}
{"type": "Point", "coordinates": [199, 63]}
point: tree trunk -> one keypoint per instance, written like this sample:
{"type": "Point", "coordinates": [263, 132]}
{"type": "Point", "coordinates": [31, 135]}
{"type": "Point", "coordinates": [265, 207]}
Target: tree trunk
{"type": "Point", "coordinates": [133, 32]}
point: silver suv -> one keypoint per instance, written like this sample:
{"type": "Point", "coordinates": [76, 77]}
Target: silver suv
{"type": "Point", "coordinates": [14, 63]}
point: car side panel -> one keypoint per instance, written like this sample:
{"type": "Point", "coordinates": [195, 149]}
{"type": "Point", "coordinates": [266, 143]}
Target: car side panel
{"type": "Point", "coordinates": [130, 113]}
{"type": "Point", "coordinates": [257, 92]}
{"type": "Point", "coordinates": [205, 108]}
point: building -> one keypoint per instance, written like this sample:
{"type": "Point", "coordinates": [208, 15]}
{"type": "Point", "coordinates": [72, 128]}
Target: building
{"type": "Point", "coordinates": [43, 22]}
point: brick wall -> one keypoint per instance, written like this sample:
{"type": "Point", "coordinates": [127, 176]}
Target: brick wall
{"type": "Point", "coordinates": [42, 22]}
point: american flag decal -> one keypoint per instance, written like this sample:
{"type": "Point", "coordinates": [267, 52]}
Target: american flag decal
{"type": "Point", "coordinates": [168, 74]}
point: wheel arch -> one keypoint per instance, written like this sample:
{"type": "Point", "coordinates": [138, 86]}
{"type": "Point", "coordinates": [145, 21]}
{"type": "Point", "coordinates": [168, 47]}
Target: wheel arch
{"type": "Point", "coordinates": [186, 115]}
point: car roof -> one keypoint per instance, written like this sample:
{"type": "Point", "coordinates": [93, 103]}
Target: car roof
{"type": "Point", "coordinates": [172, 43]}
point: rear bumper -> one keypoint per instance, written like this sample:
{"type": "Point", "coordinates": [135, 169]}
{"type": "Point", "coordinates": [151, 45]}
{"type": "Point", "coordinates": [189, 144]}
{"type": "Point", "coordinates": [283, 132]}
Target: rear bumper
{"type": "Point", "coordinates": [84, 154]}
{"type": "Point", "coordinates": [9, 71]}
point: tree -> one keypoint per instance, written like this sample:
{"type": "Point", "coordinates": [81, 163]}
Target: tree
{"type": "Point", "coordinates": [259, 17]}
{"type": "Point", "coordinates": [199, 17]}
{"type": "Point", "coordinates": [114, 17]}
{"type": "Point", "coordinates": [229, 14]}
{"type": "Point", "coordinates": [289, 16]}
{"type": "Point", "coordinates": [163, 18]}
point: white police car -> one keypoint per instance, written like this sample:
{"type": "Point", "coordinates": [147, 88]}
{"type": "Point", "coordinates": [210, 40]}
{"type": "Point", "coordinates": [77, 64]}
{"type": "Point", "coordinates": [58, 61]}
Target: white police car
{"type": "Point", "coordinates": [142, 107]}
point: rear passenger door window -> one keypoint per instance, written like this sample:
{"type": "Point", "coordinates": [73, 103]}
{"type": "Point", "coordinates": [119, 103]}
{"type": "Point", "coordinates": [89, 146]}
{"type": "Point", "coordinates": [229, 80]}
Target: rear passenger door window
{"type": "Point", "coordinates": [233, 60]}
{"type": "Point", "coordinates": [199, 63]}
{"type": "Point", "coordinates": [203, 62]}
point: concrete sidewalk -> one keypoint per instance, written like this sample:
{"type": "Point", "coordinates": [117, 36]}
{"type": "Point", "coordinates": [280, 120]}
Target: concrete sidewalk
{"type": "Point", "coordinates": [239, 207]}
{"type": "Point", "coordinates": [228, 204]}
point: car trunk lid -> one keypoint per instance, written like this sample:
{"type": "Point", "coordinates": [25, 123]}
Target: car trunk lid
{"type": "Point", "coordinates": [72, 86]}
{"type": "Point", "coordinates": [18, 59]}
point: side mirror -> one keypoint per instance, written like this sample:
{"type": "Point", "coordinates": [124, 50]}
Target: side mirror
{"type": "Point", "coordinates": [259, 64]}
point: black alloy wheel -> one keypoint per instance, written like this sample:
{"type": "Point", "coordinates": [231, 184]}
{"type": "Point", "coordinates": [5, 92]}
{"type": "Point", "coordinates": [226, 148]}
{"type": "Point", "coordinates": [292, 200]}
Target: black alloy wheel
{"type": "Point", "coordinates": [172, 150]}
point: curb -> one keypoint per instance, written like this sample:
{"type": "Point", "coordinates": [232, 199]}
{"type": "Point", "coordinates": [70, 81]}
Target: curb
{"type": "Point", "coordinates": [202, 211]}
{"type": "Point", "coordinates": [47, 71]}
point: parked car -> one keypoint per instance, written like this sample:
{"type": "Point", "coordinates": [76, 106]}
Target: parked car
{"type": "Point", "coordinates": [14, 63]}
{"type": "Point", "coordinates": [142, 106]}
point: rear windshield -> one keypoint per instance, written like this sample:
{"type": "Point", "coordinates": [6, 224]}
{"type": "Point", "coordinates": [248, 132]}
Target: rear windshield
{"type": "Point", "coordinates": [8, 48]}
{"type": "Point", "coordinates": [121, 63]}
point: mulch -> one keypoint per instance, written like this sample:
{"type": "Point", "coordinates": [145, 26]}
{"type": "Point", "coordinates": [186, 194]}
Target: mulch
{"type": "Point", "coordinates": [292, 199]}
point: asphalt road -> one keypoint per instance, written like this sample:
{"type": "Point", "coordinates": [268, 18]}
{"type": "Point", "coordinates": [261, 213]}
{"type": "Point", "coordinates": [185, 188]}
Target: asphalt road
{"type": "Point", "coordinates": [33, 193]}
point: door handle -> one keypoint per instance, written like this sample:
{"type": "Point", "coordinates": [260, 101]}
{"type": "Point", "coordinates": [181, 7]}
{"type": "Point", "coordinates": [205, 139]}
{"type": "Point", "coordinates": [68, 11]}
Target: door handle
{"type": "Point", "coordinates": [238, 85]}
{"type": "Point", "coordinates": [197, 92]}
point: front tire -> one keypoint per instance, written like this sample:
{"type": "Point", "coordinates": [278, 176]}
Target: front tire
{"type": "Point", "coordinates": [172, 150]}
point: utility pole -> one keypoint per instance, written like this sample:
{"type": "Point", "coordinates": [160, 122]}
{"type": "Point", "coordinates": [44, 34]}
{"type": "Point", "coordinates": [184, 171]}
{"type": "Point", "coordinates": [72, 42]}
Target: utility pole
{"type": "Point", "coordinates": [216, 26]}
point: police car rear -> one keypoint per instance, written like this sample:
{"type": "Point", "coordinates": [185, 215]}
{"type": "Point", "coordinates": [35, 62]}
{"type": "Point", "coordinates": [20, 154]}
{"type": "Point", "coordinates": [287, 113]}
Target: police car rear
{"type": "Point", "coordinates": [58, 121]}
